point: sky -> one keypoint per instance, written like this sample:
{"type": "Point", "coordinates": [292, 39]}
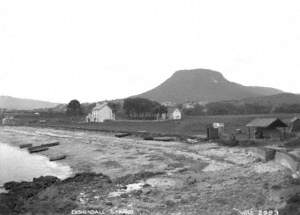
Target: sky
{"type": "Point", "coordinates": [60, 50]}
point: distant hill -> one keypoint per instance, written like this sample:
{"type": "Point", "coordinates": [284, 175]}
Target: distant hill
{"type": "Point", "coordinates": [273, 100]}
{"type": "Point", "coordinates": [62, 108]}
{"type": "Point", "coordinates": [13, 103]}
{"type": "Point", "coordinates": [203, 85]}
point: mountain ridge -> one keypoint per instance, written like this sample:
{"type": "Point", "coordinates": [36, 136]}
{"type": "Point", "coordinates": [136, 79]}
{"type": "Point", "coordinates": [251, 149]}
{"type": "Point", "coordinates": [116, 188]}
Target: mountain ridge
{"type": "Point", "coordinates": [203, 85]}
{"type": "Point", "coordinates": [14, 103]}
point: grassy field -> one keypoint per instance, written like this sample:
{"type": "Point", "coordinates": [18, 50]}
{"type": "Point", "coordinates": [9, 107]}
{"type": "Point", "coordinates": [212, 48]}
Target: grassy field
{"type": "Point", "coordinates": [188, 126]}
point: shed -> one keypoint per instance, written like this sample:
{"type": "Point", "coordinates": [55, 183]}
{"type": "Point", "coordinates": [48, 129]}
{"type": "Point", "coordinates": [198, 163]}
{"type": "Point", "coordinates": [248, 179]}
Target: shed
{"type": "Point", "coordinates": [294, 125]}
{"type": "Point", "coordinates": [219, 126]}
{"type": "Point", "coordinates": [266, 128]}
{"type": "Point", "coordinates": [214, 130]}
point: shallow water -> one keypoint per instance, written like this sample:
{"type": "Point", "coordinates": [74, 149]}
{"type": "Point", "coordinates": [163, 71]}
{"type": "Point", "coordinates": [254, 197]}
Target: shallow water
{"type": "Point", "coordinates": [19, 165]}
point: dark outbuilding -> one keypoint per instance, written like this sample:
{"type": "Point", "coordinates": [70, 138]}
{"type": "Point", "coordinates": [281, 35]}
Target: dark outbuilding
{"type": "Point", "coordinates": [212, 132]}
{"type": "Point", "coordinates": [295, 125]}
{"type": "Point", "coordinates": [270, 128]}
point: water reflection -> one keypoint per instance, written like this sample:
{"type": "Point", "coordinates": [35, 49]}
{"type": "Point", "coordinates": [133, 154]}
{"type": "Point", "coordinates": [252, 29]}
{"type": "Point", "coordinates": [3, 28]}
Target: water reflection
{"type": "Point", "coordinates": [19, 165]}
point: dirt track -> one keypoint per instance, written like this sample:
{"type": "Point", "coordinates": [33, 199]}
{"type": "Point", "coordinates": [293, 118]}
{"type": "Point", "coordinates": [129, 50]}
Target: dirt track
{"type": "Point", "coordinates": [194, 179]}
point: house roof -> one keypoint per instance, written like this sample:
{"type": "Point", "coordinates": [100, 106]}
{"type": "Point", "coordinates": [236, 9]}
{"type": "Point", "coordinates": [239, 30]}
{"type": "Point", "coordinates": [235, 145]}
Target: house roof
{"type": "Point", "coordinates": [172, 109]}
{"type": "Point", "coordinates": [266, 122]}
{"type": "Point", "coordinates": [294, 119]}
{"type": "Point", "coordinates": [99, 106]}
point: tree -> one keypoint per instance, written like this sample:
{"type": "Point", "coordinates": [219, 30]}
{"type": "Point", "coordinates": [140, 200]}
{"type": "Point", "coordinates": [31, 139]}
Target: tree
{"type": "Point", "coordinates": [74, 108]}
{"type": "Point", "coordinates": [285, 108]}
{"type": "Point", "coordinates": [87, 107]}
{"type": "Point", "coordinates": [257, 108]}
{"type": "Point", "coordinates": [196, 110]}
{"type": "Point", "coordinates": [222, 108]}
{"type": "Point", "coordinates": [115, 106]}
{"type": "Point", "coordinates": [141, 108]}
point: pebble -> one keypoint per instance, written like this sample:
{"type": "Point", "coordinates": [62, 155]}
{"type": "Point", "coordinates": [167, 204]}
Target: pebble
{"type": "Point", "coordinates": [108, 203]}
{"type": "Point", "coordinates": [146, 185]}
{"type": "Point", "coordinates": [147, 191]}
{"type": "Point", "coordinates": [124, 195]}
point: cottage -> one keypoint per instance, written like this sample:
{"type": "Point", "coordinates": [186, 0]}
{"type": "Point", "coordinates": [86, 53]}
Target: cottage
{"type": "Point", "coordinates": [9, 121]}
{"type": "Point", "coordinates": [294, 125]}
{"type": "Point", "coordinates": [174, 113]}
{"type": "Point", "coordinates": [270, 128]}
{"type": "Point", "coordinates": [100, 113]}
{"type": "Point", "coordinates": [188, 105]}
{"type": "Point", "coordinates": [168, 104]}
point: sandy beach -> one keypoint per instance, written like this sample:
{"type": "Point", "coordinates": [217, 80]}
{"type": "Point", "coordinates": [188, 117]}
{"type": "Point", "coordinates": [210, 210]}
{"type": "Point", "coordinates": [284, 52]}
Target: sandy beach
{"type": "Point", "coordinates": [182, 178]}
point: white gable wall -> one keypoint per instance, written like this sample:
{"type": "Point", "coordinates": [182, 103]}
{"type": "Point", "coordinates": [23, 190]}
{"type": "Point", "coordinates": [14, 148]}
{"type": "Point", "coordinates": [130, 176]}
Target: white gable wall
{"type": "Point", "coordinates": [100, 115]}
{"type": "Point", "coordinates": [176, 114]}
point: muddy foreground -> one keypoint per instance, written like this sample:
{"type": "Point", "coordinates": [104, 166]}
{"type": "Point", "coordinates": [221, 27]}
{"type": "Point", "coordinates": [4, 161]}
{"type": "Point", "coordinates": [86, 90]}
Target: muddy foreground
{"type": "Point", "coordinates": [131, 176]}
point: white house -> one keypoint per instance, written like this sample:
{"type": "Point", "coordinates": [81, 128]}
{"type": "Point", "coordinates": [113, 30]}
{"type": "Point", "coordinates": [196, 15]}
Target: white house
{"type": "Point", "coordinates": [100, 113]}
{"type": "Point", "coordinates": [174, 113]}
{"type": "Point", "coordinates": [8, 120]}
{"type": "Point", "coordinates": [188, 105]}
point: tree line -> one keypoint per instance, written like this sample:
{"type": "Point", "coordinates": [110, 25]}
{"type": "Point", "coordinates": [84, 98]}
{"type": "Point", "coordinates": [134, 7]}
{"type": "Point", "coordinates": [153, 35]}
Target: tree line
{"type": "Point", "coordinates": [132, 108]}
{"type": "Point", "coordinates": [227, 108]}
{"type": "Point", "coordinates": [141, 108]}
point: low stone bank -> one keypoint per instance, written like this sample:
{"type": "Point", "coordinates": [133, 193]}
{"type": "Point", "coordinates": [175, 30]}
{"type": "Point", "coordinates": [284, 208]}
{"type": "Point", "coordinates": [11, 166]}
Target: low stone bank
{"type": "Point", "coordinates": [288, 159]}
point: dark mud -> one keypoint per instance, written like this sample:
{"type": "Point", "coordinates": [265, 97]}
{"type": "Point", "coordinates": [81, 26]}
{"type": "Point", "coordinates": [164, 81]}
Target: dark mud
{"type": "Point", "coordinates": [20, 192]}
{"type": "Point", "coordinates": [50, 195]}
{"type": "Point", "coordinates": [90, 191]}
{"type": "Point", "coordinates": [292, 206]}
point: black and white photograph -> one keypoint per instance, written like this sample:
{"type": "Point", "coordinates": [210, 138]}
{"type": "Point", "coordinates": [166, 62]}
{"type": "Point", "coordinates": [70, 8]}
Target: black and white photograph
{"type": "Point", "coordinates": [149, 107]}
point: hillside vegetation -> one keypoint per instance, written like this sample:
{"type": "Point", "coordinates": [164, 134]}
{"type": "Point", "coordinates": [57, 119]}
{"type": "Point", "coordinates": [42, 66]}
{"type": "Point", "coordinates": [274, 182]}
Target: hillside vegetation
{"type": "Point", "coordinates": [280, 103]}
